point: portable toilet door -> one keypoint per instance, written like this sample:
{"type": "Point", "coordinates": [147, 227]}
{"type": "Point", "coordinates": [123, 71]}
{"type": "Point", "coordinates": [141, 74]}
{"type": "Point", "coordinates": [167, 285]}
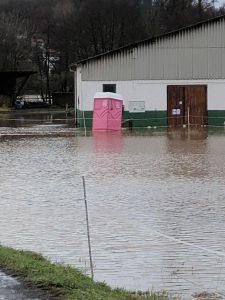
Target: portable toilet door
{"type": "Point", "coordinates": [107, 114]}
{"type": "Point", "coordinates": [115, 114]}
{"type": "Point", "coordinates": [100, 114]}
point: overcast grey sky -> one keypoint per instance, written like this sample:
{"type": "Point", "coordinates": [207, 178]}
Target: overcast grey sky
{"type": "Point", "coordinates": [219, 3]}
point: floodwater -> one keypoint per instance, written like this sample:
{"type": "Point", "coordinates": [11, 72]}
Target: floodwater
{"type": "Point", "coordinates": [156, 203]}
{"type": "Point", "coordinates": [11, 289]}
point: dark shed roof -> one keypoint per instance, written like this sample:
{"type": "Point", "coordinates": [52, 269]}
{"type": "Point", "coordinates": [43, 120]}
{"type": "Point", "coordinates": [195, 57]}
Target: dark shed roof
{"type": "Point", "coordinates": [16, 74]}
{"type": "Point", "coordinates": [8, 80]}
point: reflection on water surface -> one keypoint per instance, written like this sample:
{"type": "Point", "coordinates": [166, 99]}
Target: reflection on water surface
{"type": "Point", "coordinates": [155, 203]}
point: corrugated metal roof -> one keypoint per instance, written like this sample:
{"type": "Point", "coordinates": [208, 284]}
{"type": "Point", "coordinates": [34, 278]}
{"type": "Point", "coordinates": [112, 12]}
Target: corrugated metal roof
{"type": "Point", "coordinates": [151, 40]}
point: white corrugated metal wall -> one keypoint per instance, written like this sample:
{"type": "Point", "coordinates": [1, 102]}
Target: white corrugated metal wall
{"type": "Point", "coordinates": [195, 53]}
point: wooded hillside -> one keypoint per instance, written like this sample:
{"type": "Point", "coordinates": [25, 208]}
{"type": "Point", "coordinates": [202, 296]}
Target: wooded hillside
{"type": "Point", "coordinates": [49, 35]}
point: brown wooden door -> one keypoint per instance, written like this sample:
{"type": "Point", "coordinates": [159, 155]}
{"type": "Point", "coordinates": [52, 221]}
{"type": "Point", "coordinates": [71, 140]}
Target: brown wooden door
{"type": "Point", "coordinates": [175, 106]}
{"type": "Point", "coordinates": [196, 102]}
{"type": "Point", "coordinates": [186, 105]}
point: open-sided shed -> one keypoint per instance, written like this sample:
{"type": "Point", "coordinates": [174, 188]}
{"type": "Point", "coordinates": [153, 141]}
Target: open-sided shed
{"type": "Point", "coordinates": [11, 84]}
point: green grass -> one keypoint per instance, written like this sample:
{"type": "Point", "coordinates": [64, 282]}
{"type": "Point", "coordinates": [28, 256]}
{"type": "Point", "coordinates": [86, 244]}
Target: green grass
{"type": "Point", "coordinates": [64, 281]}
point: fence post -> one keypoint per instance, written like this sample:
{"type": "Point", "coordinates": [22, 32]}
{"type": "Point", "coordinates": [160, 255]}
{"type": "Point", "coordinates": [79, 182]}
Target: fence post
{"type": "Point", "coordinates": [88, 228]}
{"type": "Point", "coordinates": [188, 116]}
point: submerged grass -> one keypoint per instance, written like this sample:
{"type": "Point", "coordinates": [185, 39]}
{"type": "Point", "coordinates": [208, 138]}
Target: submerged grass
{"type": "Point", "coordinates": [64, 282]}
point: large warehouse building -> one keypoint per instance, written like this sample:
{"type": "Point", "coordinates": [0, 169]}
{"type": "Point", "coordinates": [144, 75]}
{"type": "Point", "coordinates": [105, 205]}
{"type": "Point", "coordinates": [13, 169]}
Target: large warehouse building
{"type": "Point", "coordinates": [171, 80]}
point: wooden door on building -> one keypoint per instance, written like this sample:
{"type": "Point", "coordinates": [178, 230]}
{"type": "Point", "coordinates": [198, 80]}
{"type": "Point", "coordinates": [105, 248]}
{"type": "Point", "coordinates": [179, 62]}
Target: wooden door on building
{"type": "Point", "coordinates": [186, 105]}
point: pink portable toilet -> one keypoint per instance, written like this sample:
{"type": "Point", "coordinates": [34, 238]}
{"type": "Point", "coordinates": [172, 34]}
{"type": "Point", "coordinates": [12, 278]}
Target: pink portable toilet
{"type": "Point", "coordinates": [107, 113]}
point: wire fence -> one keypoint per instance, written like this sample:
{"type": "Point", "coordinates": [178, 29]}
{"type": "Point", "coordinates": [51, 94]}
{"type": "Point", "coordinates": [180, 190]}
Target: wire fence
{"type": "Point", "coordinates": [163, 121]}
{"type": "Point", "coordinates": [26, 118]}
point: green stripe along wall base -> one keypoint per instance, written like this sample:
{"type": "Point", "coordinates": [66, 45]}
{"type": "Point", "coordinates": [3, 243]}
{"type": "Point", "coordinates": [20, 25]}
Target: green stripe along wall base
{"type": "Point", "coordinates": [149, 118]}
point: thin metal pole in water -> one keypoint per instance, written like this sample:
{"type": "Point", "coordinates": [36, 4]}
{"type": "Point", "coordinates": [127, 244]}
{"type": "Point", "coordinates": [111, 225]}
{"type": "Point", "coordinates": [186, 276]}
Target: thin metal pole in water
{"type": "Point", "coordinates": [88, 228]}
{"type": "Point", "coordinates": [75, 95]}
{"type": "Point", "coordinates": [85, 128]}
{"type": "Point", "coordinates": [188, 116]}
{"type": "Point", "coordinates": [188, 122]}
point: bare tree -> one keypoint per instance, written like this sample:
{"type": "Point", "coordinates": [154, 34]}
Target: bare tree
{"type": "Point", "coordinates": [15, 34]}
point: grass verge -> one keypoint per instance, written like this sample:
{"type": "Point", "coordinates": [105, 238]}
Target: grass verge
{"type": "Point", "coordinates": [62, 281]}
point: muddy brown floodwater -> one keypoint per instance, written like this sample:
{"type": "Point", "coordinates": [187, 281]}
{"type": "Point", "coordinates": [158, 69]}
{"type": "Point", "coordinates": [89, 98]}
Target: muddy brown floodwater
{"type": "Point", "coordinates": [156, 203]}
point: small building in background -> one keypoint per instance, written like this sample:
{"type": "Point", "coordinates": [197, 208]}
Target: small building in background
{"type": "Point", "coordinates": [173, 80]}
